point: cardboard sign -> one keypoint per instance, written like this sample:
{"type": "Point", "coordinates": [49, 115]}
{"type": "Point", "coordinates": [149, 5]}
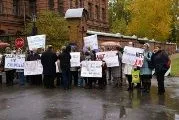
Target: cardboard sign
{"type": "Point", "coordinates": [110, 57]}
{"type": "Point", "coordinates": [91, 69]}
{"type": "Point", "coordinates": [13, 61]}
{"type": "Point", "coordinates": [133, 56]}
{"type": "Point", "coordinates": [91, 42]}
{"type": "Point", "coordinates": [75, 59]}
{"type": "Point", "coordinates": [33, 68]}
{"type": "Point", "coordinates": [36, 42]}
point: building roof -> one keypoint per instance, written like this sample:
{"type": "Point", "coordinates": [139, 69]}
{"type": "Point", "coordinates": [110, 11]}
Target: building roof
{"type": "Point", "coordinates": [118, 35]}
{"type": "Point", "coordinates": [74, 13]}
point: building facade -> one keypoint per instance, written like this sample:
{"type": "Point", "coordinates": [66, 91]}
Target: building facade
{"type": "Point", "coordinates": [15, 13]}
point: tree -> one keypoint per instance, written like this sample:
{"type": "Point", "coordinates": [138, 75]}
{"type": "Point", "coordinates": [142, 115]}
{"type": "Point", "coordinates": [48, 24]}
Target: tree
{"type": "Point", "coordinates": [150, 18]}
{"type": "Point", "coordinates": [54, 26]}
{"type": "Point", "coordinates": [119, 15]}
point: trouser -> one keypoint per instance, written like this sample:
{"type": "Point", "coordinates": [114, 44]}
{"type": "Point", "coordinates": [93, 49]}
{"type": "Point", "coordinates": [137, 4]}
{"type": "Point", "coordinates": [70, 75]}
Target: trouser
{"type": "Point", "coordinates": [160, 79]}
{"type": "Point", "coordinates": [21, 78]}
{"type": "Point", "coordinates": [146, 82]}
{"type": "Point", "coordinates": [89, 82]}
{"type": "Point", "coordinates": [49, 81]}
{"type": "Point", "coordinates": [102, 81]}
{"type": "Point", "coordinates": [117, 81]}
{"type": "Point", "coordinates": [0, 79]}
{"type": "Point", "coordinates": [74, 76]}
{"type": "Point", "coordinates": [9, 77]}
{"type": "Point", "coordinates": [66, 79]}
{"type": "Point", "coordinates": [129, 78]}
{"type": "Point", "coordinates": [59, 79]}
{"type": "Point", "coordinates": [36, 79]}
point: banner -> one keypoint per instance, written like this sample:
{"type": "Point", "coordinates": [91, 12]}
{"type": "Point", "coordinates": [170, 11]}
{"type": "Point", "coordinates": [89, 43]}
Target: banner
{"type": "Point", "coordinates": [75, 59]}
{"type": "Point", "coordinates": [13, 61]}
{"type": "Point", "coordinates": [91, 42]}
{"type": "Point", "coordinates": [91, 69]}
{"type": "Point", "coordinates": [33, 68]}
{"type": "Point", "coordinates": [36, 42]}
{"type": "Point", "coordinates": [110, 57]}
{"type": "Point", "coordinates": [133, 56]}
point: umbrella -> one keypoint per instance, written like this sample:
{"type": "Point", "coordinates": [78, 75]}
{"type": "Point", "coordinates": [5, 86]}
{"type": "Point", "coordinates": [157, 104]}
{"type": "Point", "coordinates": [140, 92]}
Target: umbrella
{"type": "Point", "coordinates": [3, 44]}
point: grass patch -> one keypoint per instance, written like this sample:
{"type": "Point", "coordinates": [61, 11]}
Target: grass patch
{"type": "Point", "coordinates": [175, 65]}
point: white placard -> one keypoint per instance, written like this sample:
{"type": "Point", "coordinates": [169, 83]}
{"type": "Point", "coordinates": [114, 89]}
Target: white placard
{"type": "Point", "coordinates": [133, 56]}
{"type": "Point", "coordinates": [75, 59]}
{"type": "Point", "coordinates": [13, 61]}
{"type": "Point", "coordinates": [91, 42]}
{"type": "Point", "coordinates": [33, 68]}
{"type": "Point", "coordinates": [110, 57]}
{"type": "Point", "coordinates": [91, 69]}
{"type": "Point", "coordinates": [35, 42]}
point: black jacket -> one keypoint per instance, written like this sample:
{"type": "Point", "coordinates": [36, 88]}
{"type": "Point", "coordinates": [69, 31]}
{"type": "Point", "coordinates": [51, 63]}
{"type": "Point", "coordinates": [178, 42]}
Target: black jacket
{"type": "Point", "coordinates": [48, 60]}
{"type": "Point", "coordinates": [33, 56]}
{"type": "Point", "coordinates": [65, 60]}
{"type": "Point", "coordinates": [161, 62]}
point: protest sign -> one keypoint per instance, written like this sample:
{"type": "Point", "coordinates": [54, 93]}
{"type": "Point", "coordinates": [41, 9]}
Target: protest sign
{"type": "Point", "coordinates": [33, 68]}
{"type": "Point", "coordinates": [133, 56]}
{"type": "Point", "coordinates": [91, 42]}
{"type": "Point", "coordinates": [36, 42]}
{"type": "Point", "coordinates": [13, 61]}
{"type": "Point", "coordinates": [110, 57]}
{"type": "Point", "coordinates": [75, 59]}
{"type": "Point", "coordinates": [91, 69]}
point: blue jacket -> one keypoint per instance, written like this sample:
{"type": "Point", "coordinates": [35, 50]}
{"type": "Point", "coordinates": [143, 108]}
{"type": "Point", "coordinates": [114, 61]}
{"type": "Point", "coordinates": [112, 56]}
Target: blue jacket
{"type": "Point", "coordinates": [145, 70]}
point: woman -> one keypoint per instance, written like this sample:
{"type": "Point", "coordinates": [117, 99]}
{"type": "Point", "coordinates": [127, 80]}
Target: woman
{"type": "Point", "coordinates": [128, 72]}
{"type": "Point", "coordinates": [161, 62]}
{"type": "Point", "coordinates": [145, 71]}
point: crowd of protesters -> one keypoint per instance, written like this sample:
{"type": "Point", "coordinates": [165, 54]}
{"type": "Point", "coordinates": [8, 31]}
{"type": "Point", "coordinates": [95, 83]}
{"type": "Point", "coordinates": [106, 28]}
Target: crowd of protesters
{"type": "Point", "coordinates": [56, 67]}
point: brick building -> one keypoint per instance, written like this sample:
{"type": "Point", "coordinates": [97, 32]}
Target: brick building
{"type": "Point", "coordinates": [15, 13]}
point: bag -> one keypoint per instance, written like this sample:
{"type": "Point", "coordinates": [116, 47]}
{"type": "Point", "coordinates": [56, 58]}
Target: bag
{"type": "Point", "coordinates": [150, 63]}
{"type": "Point", "coordinates": [135, 76]}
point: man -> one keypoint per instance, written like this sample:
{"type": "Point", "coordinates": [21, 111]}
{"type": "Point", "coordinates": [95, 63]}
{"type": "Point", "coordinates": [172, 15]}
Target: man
{"type": "Point", "coordinates": [48, 60]}
{"type": "Point", "coordinates": [65, 66]}
{"type": "Point", "coordinates": [9, 72]}
{"type": "Point", "coordinates": [161, 62]}
{"type": "Point", "coordinates": [34, 79]}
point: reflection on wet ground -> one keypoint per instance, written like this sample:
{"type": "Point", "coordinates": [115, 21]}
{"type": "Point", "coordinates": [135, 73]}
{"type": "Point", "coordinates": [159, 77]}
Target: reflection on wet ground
{"type": "Point", "coordinates": [36, 103]}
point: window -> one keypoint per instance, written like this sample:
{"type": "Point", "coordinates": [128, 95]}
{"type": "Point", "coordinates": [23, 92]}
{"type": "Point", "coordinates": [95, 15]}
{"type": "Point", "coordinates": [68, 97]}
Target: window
{"type": "Point", "coordinates": [32, 7]}
{"type": "Point", "coordinates": [1, 7]}
{"type": "Point", "coordinates": [60, 7]}
{"type": "Point", "coordinates": [103, 14]}
{"type": "Point", "coordinates": [97, 12]}
{"type": "Point", "coordinates": [51, 4]}
{"type": "Point", "coordinates": [90, 10]}
{"type": "Point", "coordinates": [71, 5]}
{"type": "Point", "coordinates": [16, 7]}
{"type": "Point", "coordinates": [81, 3]}
{"type": "Point", "coordinates": [76, 4]}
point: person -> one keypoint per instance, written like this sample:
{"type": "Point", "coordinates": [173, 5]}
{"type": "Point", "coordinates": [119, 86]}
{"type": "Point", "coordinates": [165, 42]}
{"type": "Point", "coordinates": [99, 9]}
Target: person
{"type": "Point", "coordinates": [9, 72]}
{"type": "Point", "coordinates": [58, 71]}
{"type": "Point", "coordinates": [145, 71]}
{"type": "Point", "coordinates": [48, 60]}
{"type": "Point", "coordinates": [74, 72]}
{"type": "Point", "coordinates": [161, 62]}
{"type": "Point", "coordinates": [116, 71]}
{"type": "Point", "coordinates": [20, 72]}
{"type": "Point", "coordinates": [65, 66]}
{"type": "Point", "coordinates": [34, 79]}
{"type": "Point", "coordinates": [128, 72]}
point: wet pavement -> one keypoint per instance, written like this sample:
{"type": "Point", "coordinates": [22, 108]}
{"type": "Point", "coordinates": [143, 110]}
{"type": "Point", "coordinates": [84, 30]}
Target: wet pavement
{"type": "Point", "coordinates": [37, 103]}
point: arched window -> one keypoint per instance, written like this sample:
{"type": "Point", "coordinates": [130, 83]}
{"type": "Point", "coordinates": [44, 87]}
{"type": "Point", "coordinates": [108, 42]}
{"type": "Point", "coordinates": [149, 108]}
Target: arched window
{"type": "Point", "coordinates": [1, 7]}
{"type": "Point", "coordinates": [51, 4]}
{"type": "Point", "coordinates": [60, 7]}
{"type": "Point", "coordinates": [16, 7]}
